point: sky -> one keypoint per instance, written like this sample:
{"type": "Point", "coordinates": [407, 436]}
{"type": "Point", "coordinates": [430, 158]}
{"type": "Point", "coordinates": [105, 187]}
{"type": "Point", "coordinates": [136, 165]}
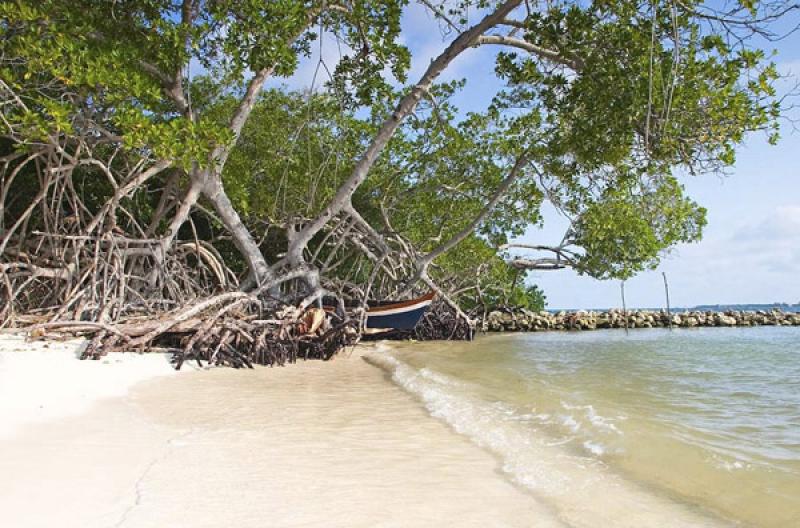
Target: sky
{"type": "Point", "coordinates": [750, 251]}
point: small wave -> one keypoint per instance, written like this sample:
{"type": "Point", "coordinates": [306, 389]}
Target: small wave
{"type": "Point", "coordinates": [481, 421]}
{"type": "Point", "coordinates": [730, 465]}
{"type": "Point", "coordinates": [600, 422]}
{"type": "Point", "coordinates": [594, 448]}
{"type": "Point", "coordinates": [439, 378]}
{"type": "Point", "coordinates": [568, 480]}
{"type": "Point", "coordinates": [571, 423]}
{"type": "Point", "coordinates": [563, 441]}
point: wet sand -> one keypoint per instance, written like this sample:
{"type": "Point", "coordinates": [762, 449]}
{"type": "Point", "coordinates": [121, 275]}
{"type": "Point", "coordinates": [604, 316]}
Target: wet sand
{"type": "Point", "coordinates": [314, 444]}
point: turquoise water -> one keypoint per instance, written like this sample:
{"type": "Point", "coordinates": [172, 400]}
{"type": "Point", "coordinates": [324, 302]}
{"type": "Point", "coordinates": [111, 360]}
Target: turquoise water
{"type": "Point", "coordinates": [705, 421]}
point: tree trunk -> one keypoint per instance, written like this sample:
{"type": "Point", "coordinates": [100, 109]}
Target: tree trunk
{"type": "Point", "coordinates": [407, 104]}
{"type": "Point", "coordinates": [424, 261]}
{"type": "Point", "coordinates": [242, 237]}
{"type": "Point", "coordinates": [182, 214]}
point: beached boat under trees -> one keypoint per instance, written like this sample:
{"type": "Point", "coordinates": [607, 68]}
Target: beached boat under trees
{"type": "Point", "coordinates": [402, 315]}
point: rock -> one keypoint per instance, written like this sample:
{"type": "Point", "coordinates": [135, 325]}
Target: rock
{"type": "Point", "coordinates": [525, 320]}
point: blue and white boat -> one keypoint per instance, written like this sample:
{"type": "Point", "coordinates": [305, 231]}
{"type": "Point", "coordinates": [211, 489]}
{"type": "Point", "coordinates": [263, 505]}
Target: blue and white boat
{"type": "Point", "coordinates": [398, 315]}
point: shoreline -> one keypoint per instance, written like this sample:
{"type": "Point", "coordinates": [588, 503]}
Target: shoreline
{"type": "Point", "coordinates": [361, 440]}
{"type": "Point", "coordinates": [584, 492]}
{"type": "Point", "coordinates": [319, 444]}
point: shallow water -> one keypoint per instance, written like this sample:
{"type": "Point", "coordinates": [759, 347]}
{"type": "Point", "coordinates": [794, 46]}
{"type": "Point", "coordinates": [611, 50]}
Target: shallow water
{"type": "Point", "coordinates": [693, 427]}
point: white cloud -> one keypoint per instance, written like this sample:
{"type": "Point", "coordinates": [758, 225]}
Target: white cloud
{"type": "Point", "coordinates": [773, 244]}
{"type": "Point", "coordinates": [783, 224]}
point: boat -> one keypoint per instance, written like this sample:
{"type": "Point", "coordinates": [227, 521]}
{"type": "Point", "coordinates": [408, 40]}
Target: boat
{"type": "Point", "coordinates": [402, 315]}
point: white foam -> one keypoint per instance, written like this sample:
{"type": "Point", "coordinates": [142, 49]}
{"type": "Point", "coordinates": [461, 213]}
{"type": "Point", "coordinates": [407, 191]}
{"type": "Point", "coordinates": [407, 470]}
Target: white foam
{"type": "Point", "coordinates": [571, 423]}
{"type": "Point", "coordinates": [594, 448]}
{"type": "Point", "coordinates": [439, 378]}
{"type": "Point", "coordinates": [603, 423]}
{"type": "Point", "coordinates": [579, 487]}
{"type": "Point", "coordinates": [478, 420]}
{"type": "Point", "coordinates": [730, 465]}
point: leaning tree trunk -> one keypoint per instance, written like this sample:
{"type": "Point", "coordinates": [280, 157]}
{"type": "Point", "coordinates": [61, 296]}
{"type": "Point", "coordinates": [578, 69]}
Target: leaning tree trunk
{"type": "Point", "coordinates": [425, 261]}
{"type": "Point", "coordinates": [242, 238]}
{"type": "Point", "coordinates": [342, 199]}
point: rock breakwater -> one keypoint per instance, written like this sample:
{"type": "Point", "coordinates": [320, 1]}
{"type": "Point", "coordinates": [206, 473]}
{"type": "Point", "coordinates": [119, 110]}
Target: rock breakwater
{"type": "Point", "coordinates": [528, 321]}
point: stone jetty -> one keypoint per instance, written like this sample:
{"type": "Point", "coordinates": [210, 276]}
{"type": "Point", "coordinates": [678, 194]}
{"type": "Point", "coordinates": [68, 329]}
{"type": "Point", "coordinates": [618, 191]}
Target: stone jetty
{"type": "Point", "coordinates": [528, 321]}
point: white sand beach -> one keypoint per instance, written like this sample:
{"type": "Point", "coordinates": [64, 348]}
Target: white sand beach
{"type": "Point", "coordinates": [41, 381]}
{"type": "Point", "coordinates": [125, 442]}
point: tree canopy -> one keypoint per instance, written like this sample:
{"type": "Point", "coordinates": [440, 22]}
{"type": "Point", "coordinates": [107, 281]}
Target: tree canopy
{"type": "Point", "coordinates": [142, 128]}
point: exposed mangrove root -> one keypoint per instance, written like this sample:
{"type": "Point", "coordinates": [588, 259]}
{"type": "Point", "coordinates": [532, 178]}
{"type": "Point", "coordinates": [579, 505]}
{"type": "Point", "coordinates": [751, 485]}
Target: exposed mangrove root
{"type": "Point", "coordinates": [241, 344]}
{"type": "Point", "coordinates": [443, 322]}
{"type": "Point", "coordinates": [136, 253]}
{"type": "Point", "coordinates": [220, 331]}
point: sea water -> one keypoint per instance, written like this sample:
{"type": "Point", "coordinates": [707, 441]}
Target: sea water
{"type": "Point", "coordinates": [692, 427]}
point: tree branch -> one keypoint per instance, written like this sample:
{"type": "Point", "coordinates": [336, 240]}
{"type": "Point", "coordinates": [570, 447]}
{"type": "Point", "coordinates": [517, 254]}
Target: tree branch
{"type": "Point", "coordinates": [498, 195]}
{"type": "Point", "coordinates": [563, 259]}
{"type": "Point", "coordinates": [405, 107]}
{"type": "Point", "coordinates": [544, 53]}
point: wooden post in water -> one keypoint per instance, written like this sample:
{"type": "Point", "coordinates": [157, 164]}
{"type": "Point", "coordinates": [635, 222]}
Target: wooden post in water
{"type": "Point", "coordinates": [624, 308]}
{"type": "Point", "coordinates": [666, 290]}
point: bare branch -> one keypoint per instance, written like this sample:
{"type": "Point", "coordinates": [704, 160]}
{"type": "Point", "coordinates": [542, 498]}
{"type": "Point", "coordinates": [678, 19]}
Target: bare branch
{"type": "Point", "coordinates": [564, 258]}
{"type": "Point", "coordinates": [544, 53]}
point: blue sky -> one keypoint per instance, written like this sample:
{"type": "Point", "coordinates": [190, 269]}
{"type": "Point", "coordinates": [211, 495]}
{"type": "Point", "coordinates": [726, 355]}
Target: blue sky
{"type": "Point", "coordinates": [750, 252]}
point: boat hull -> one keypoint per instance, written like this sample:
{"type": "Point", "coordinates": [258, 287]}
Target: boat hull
{"type": "Point", "coordinates": [399, 316]}
{"type": "Point", "coordinates": [400, 321]}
